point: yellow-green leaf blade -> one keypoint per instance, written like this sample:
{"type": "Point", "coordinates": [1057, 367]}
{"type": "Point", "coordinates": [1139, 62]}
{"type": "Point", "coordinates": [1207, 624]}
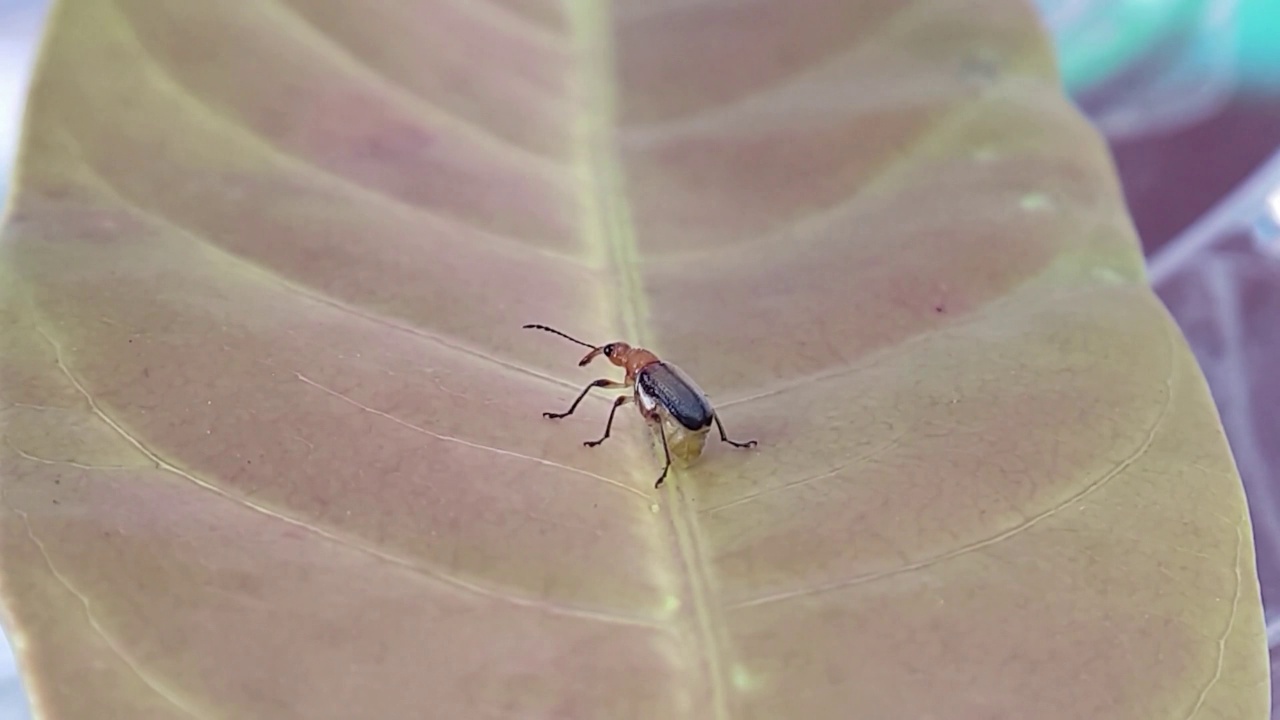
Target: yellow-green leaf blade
{"type": "Point", "coordinates": [274, 444]}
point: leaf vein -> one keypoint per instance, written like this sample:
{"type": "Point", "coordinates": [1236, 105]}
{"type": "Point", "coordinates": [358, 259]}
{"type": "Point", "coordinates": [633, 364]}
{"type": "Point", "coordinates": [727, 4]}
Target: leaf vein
{"type": "Point", "coordinates": [422, 105]}
{"type": "Point", "coordinates": [992, 540]}
{"type": "Point", "coordinates": [46, 461]}
{"type": "Point", "coordinates": [307, 292]}
{"type": "Point", "coordinates": [311, 168]}
{"type": "Point", "coordinates": [811, 479]}
{"type": "Point", "coordinates": [443, 578]}
{"type": "Point", "coordinates": [468, 443]}
{"type": "Point", "coordinates": [1226, 632]}
{"type": "Point", "coordinates": [107, 639]}
{"type": "Point", "coordinates": [711, 115]}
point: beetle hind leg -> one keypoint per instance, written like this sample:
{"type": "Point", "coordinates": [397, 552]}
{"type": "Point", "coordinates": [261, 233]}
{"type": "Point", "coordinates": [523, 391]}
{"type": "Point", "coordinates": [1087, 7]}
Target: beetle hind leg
{"type": "Point", "coordinates": [725, 438]}
{"type": "Point", "coordinates": [662, 432]}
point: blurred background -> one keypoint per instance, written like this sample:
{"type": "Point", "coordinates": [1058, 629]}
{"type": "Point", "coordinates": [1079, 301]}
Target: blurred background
{"type": "Point", "coordinates": [1187, 92]}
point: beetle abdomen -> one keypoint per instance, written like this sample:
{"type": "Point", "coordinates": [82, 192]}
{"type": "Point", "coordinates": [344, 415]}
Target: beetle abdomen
{"type": "Point", "coordinates": [672, 391]}
{"type": "Point", "coordinates": [686, 445]}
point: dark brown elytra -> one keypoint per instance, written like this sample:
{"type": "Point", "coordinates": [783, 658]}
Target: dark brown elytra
{"type": "Point", "coordinates": [660, 390]}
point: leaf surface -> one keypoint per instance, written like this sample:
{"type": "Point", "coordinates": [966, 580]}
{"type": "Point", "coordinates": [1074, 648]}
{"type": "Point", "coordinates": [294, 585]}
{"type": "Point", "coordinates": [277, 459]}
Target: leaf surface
{"type": "Point", "coordinates": [273, 445]}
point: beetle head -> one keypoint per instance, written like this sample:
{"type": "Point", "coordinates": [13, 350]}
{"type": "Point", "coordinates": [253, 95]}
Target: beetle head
{"type": "Point", "coordinates": [616, 352]}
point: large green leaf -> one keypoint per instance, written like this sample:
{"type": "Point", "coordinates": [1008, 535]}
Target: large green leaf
{"type": "Point", "coordinates": [273, 445]}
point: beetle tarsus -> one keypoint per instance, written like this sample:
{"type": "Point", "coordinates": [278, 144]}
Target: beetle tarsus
{"type": "Point", "coordinates": [725, 438]}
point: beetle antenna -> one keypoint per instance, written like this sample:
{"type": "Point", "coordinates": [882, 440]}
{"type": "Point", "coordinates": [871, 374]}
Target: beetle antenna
{"type": "Point", "coordinates": [557, 332]}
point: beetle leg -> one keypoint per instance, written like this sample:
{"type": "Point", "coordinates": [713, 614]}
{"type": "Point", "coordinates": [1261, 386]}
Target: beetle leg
{"type": "Point", "coordinates": [622, 400]}
{"type": "Point", "coordinates": [662, 432]}
{"type": "Point", "coordinates": [601, 383]}
{"type": "Point", "coordinates": [725, 438]}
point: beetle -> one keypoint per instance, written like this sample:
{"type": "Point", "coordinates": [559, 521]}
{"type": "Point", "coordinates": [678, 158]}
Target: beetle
{"type": "Point", "coordinates": [667, 398]}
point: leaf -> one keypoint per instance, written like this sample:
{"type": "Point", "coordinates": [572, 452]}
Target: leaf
{"type": "Point", "coordinates": [273, 445]}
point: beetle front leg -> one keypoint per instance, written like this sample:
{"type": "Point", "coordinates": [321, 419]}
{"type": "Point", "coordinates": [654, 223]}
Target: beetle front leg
{"type": "Point", "coordinates": [601, 383]}
{"type": "Point", "coordinates": [725, 438]}
{"type": "Point", "coordinates": [623, 400]}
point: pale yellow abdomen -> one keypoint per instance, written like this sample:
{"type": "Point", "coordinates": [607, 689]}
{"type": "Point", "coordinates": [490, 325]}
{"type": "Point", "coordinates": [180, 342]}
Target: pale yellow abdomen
{"type": "Point", "coordinates": [686, 445]}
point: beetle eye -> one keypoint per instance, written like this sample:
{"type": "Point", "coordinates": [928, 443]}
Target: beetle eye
{"type": "Point", "coordinates": [609, 349]}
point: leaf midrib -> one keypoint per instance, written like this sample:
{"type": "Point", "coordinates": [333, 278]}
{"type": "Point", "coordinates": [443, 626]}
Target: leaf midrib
{"type": "Point", "coordinates": [610, 234]}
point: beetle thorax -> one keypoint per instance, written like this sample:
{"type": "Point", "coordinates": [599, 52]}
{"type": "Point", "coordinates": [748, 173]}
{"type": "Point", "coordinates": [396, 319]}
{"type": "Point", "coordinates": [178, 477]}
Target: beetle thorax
{"type": "Point", "coordinates": [636, 360]}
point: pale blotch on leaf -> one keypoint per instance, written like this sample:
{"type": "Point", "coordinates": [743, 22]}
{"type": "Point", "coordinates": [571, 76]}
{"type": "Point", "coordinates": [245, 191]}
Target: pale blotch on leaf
{"type": "Point", "coordinates": [1108, 275]}
{"type": "Point", "coordinates": [985, 155]}
{"type": "Point", "coordinates": [1032, 202]}
{"type": "Point", "coordinates": [742, 679]}
{"type": "Point", "coordinates": [671, 604]}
